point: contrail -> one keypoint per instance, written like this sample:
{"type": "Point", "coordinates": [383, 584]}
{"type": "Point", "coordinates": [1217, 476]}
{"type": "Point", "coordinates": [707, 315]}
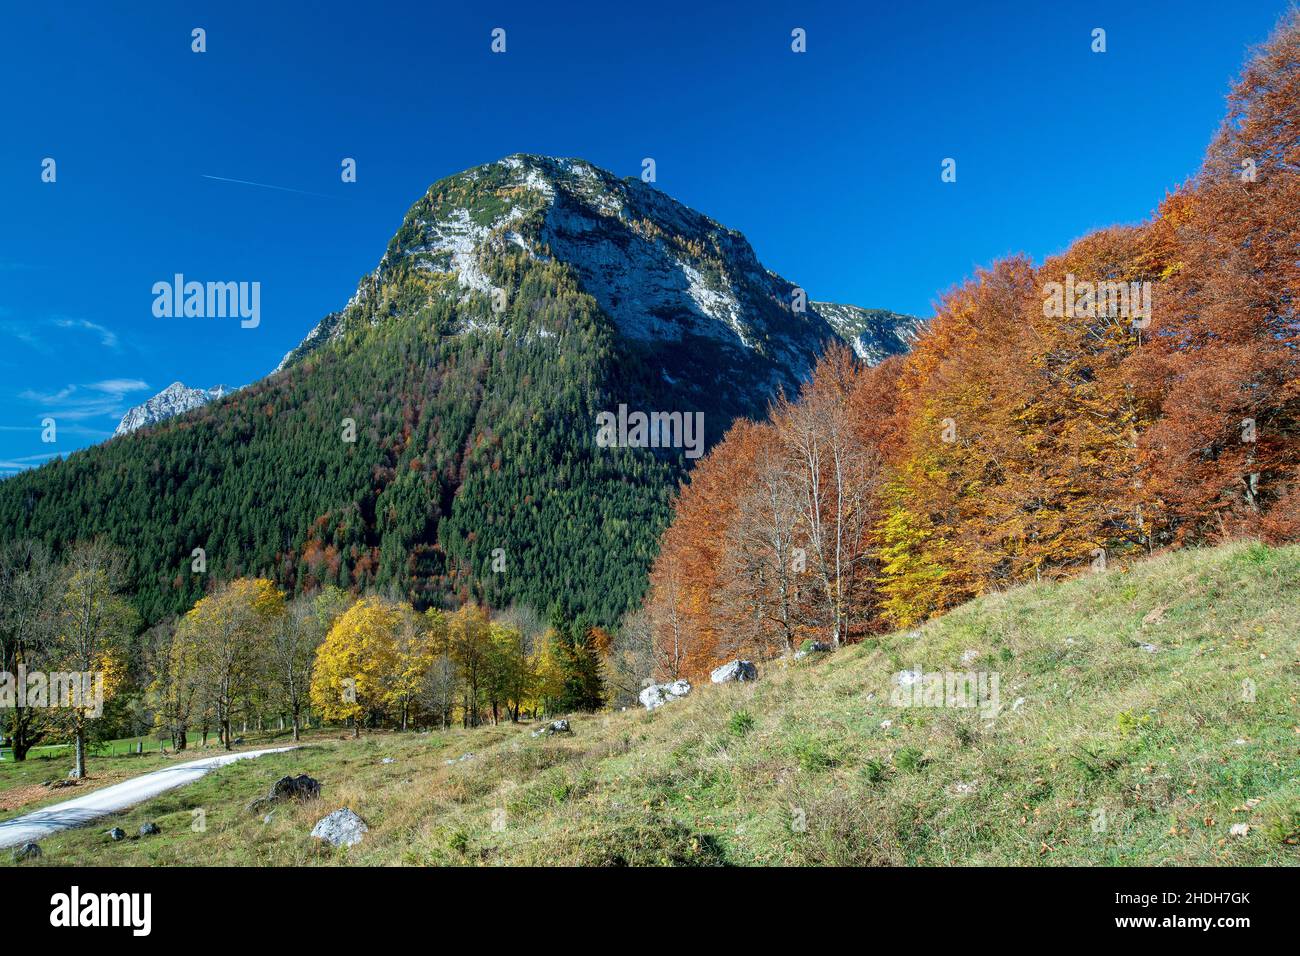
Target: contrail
{"type": "Point", "coordinates": [286, 189]}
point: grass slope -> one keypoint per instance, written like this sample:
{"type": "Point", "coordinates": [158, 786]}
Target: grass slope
{"type": "Point", "coordinates": [812, 764]}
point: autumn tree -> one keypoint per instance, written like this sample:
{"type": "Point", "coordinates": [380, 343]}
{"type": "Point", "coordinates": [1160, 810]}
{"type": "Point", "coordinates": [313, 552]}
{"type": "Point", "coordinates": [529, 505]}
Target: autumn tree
{"type": "Point", "coordinates": [686, 582]}
{"type": "Point", "coordinates": [351, 679]}
{"type": "Point", "coordinates": [761, 560]}
{"type": "Point", "coordinates": [509, 678]}
{"type": "Point", "coordinates": [1224, 456]}
{"type": "Point", "coordinates": [29, 596]}
{"type": "Point", "coordinates": [415, 649]}
{"type": "Point", "coordinates": [835, 477]}
{"type": "Point", "coordinates": [437, 693]}
{"type": "Point", "coordinates": [94, 624]}
{"type": "Point", "coordinates": [468, 635]}
{"type": "Point", "coordinates": [223, 644]}
{"type": "Point", "coordinates": [299, 633]}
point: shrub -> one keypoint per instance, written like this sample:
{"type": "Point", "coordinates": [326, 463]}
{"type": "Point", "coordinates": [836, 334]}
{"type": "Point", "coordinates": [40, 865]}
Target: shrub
{"type": "Point", "coordinates": [741, 723]}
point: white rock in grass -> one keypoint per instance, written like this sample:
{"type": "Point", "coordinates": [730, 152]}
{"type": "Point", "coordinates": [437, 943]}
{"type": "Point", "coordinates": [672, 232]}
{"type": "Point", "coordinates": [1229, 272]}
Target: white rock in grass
{"type": "Point", "coordinates": [734, 671]}
{"type": "Point", "coordinates": [1239, 829]}
{"type": "Point", "coordinates": [656, 695]}
{"type": "Point", "coordinates": [340, 828]}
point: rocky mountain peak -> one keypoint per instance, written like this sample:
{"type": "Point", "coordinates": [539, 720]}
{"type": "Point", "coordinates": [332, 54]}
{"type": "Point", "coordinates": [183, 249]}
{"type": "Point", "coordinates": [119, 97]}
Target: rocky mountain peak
{"type": "Point", "coordinates": [173, 400]}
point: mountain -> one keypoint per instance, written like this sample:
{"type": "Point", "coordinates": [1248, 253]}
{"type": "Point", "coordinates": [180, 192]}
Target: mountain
{"type": "Point", "coordinates": [437, 436]}
{"type": "Point", "coordinates": [874, 334]}
{"type": "Point", "coordinates": [688, 295]}
{"type": "Point", "coordinates": [172, 400]}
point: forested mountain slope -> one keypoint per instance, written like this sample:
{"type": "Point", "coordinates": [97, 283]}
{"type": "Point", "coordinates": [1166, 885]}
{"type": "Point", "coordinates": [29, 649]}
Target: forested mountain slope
{"type": "Point", "coordinates": [437, 435]}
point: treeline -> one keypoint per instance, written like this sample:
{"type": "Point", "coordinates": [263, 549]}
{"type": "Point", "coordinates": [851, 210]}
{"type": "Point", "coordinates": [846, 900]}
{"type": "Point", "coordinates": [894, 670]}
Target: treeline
{"type": "Point", "coordinates": [244, 653]}
{"type": "Point", "coordinates": [61, 618]}
{"type": "Point", "coordinates": [248, 655]}
{"type": "Point", "coordinates": [1046, 422]}
{"type": "Point", "coordinates": [440, 451]}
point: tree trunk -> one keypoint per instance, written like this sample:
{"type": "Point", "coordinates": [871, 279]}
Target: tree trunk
{"type": "Point", "coordinates": [79, 770]}
{"type": "Point", "coordinates": [18, 739]}
{"type": "Point", "coordinates": [295, 728]}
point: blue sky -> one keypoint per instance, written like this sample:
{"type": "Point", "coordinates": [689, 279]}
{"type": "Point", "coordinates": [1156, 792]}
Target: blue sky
{"type": "Point", "coordinates": [828, 161]}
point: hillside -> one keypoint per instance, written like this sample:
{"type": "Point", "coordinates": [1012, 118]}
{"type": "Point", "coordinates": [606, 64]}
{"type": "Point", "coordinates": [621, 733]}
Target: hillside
{"type": "Point", "coordinates": [516, 302]}
{"type": "Point", "coordinates": [1125, 736]}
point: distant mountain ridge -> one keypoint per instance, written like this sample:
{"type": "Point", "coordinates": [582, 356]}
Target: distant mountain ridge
{"type": "Point", "coordinates": [173, 400]}
{"type": "Point", "coordinates": [874, 334]}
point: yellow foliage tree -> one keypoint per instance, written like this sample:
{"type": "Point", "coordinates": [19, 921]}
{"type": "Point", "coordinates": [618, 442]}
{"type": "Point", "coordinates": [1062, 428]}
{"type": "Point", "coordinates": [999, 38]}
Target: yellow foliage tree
{"type": "Point", "coordinates": [222, 645]}
{"type": "Point", "coordinates": [356, 665]}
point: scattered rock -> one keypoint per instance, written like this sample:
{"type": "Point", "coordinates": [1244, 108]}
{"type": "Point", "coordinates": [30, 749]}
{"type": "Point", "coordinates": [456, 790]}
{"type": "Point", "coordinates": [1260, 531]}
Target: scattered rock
{"type": "Point", "coordinates": [812, 647]}
{"type": "Point", "coordinates": [269, 817]}
{"type": "Point", "coordinates": [734, 671]}
{"type": "Point", "coordinates": [1018, 703]}
{"type": "Point", "coordinates": [340, 828]}
{"type": "Point", "coordinates": [969, 655]}
{"type": "Point", "coordinates": [656, 695]}
{"type": "Point", "coordinates": [388, 760]}
{"type": "Point", "coordinates": [907, 678]}
{"type": "Point", "coordinates": [459, 759]}
{"type": "Point", "coordinates": [963, 788]}
{"type": "Point", "coordinates": [150, 829]}
{"type": "Point", "coordinates": [554, 727]}
{"type": "Point", "coordinates": [886, 724]}
{"type": "Point", "coordinates": [28, 851]}
{"type": "Point", "coordinates": [1149, 648]}
{"type": "Point", "coordinates": [116, 834]}
{"type": "Point", "coordinates": [301, 787]}
{"type": "Point", "coordinates": [1239, 829]}
{"type": "Point", "coordinates": [237, 741]}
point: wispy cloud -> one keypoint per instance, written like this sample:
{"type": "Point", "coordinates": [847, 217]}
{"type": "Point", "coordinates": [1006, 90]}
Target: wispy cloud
{"type": "Point", "coordinates": [36, 335]}
{"type": "Point", "coordinates": [23, 333]}
{"type": "Point", "coordinates": [107, 337]}
{"type": "Point", "coordinates": [118, 386]}
{"type": "Point", "coordinates": [48, 398]}
{"type": "Point", "coordinates": [14, 465]}
{"type": "Point", "coordinates": [76, 403]}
